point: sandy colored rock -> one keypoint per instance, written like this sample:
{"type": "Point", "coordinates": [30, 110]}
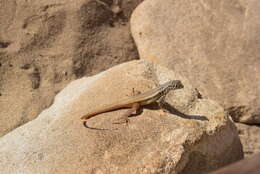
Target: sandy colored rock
{"type": "Point", "coordinates": [215, 44]}
{"type": "Point", "coordinates": [198, 138]}
{"type": "Point", "coordinates": [46, 44]}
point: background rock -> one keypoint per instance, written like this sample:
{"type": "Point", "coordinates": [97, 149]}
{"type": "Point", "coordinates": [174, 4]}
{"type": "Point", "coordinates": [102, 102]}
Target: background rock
{"type": "Point", "coordinates": [46, 44]}
{"type": "Point", "coordinates": [250, 165]}
{"type": "Point", "coordinates": [213, 43]}
{"type": "Point", "coordinates": [154, 142]}
{"type": "Point", "coordinates": [249, 136]}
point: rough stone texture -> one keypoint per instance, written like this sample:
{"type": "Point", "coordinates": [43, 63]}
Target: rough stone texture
{"type": "Point", "coordinates": [200, 139]}
{"type": "Point", "coordinates": [249, 136]}
{"type": "Point", "coordinates": [215, 44]}
{"type": "Point", "coordinates": [250, 165]}
{"type": "Point", "coordinates": [46, 44]}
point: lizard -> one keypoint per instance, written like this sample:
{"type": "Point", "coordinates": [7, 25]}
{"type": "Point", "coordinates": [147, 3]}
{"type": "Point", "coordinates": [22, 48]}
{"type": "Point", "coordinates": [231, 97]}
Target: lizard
{"type": "Point", "coordinates": [135, 102]}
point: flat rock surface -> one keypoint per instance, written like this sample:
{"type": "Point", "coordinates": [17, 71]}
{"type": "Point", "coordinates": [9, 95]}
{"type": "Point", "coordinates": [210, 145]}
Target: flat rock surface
{"type": "Point", "coordinates": [195, 137]}
{"type": "Point", "coordinates": [215, 44]}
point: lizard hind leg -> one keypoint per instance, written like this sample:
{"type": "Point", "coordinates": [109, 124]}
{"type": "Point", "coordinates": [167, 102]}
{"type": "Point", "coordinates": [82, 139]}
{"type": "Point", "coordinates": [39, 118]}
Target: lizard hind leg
{"type": "Point", "coordinates": [124, 119]}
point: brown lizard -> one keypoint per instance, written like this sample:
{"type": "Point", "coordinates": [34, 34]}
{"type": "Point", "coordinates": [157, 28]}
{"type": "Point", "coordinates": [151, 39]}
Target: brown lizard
{"type": "Point", "coordinates": [135, 102]}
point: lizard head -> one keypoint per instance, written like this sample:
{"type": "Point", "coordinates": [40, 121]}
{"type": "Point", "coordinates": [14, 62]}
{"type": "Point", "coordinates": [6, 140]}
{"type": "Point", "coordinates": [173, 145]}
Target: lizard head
{"type": "Point", "coordinates": [171, 85]}
{"type": "Point", "coordinates": [175, 84]}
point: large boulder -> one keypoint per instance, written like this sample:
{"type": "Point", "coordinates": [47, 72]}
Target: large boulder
{"type": "Point", "coordinates": [196, 136]}
{"type": "Point", "coordinates": [215, 44]}
{"type": "Point", "coordinates": [46, 44]}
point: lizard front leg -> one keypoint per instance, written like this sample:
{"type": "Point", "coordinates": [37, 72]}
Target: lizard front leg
{"type": "Point", "coordinates": [161, 103]}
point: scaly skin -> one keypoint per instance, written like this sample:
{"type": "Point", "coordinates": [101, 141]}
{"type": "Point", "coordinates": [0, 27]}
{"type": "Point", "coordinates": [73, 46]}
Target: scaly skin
{"type": "Point", "coordinates": [135, 102]}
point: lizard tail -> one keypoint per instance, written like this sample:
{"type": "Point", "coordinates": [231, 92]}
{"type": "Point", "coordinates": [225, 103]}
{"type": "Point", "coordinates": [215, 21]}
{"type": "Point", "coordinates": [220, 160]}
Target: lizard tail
{"type": "Point", "coordinates": [107, 109]}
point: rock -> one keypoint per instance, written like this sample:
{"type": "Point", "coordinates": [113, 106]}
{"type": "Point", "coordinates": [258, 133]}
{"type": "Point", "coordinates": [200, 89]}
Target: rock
{"type": "Point", "coordinates": [46, 44]}
{"type": "Point", "coordinates": [195, 136]}
{"type": "Point", "coordinates": [250, 165]}
{"type": "Point", "coordinates": [249, 136]}
{"type": "Point", "coordinates": [215, 44]}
